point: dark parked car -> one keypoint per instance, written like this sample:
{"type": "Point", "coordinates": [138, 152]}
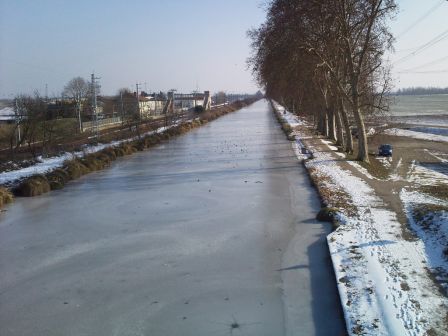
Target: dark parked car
{"type": "Point", "coordinates": [385, 150]}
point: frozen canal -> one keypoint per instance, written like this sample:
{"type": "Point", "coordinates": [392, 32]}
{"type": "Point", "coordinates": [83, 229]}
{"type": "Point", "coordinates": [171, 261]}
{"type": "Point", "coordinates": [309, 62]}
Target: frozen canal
{"type": "Point", "coordinates": [212, 233]}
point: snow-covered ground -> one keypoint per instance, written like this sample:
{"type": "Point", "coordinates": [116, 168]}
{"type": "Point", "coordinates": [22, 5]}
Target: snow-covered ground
{"type": "Point", "coordinates": [435, 120]}
{"type": "Point", "coordinates": [382, 279]}
{"type": "Point", "coordinates": [431, 130]}
{"type": "Point", "coordinates": [416, 135]}
{"type": "Point", "coordinates": [48, 164]}
{"type": "Point", "coordinates": [431, 227]}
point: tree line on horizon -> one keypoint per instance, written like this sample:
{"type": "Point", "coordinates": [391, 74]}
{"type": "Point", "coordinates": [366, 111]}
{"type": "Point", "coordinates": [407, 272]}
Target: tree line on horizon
{"type": "Point", "coordinates": [324, 59]}
{"type": "Point", "coordinates": [416, 91]}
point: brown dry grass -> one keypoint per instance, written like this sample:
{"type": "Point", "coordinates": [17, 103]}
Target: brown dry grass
{"type": "Point", "coordinates": [331, 197]}
{"type": "Point", "coordinates": [375, 167]}
{"type": "Point", "coordinates": [33, 186]}
{"type": "Point", "coordinates": [58, 178]}
{"type": "Point", "coordinates": [5, 196]}
{"type": "Point", "coordinates": [424, 213]}
{"type": "Point", "coordinates": [438, 190]}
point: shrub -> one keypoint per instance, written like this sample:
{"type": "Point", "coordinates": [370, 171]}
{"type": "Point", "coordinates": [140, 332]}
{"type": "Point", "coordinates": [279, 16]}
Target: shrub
{"type": "Point", "coordinates": [164, 136]}
{"type": "Point", "coordinates": [153, 139]}
{"type": "Point", "coordinates": [207, 116]}
{"type": "Point", "coordinates": [326, 214]}
{"type": "Point", "coordinates": [128, 149]}
{"type": "Point", "coordinates": [286, 128]}
{"type": "Point", "coordinates": [185, 128]}
{"type": "Point", "coordinates": [110, 152]}
{"type": "Point", "coordinates": [32, 186]}
{"type": "Point", "coordinates": [5, 196]}
{"type": "Point", "coordinates": [199, 109]}
{"type": "Point", "coordinates": [142, 144]}
{"type": "Point", "coordinates": [119, 151]}
{"type": "Point", "coordinates": [57, 178]}
{"type": "Point", "coordinates": [75, 169]}
{"type": "Point", "coordinates": [96, 161]}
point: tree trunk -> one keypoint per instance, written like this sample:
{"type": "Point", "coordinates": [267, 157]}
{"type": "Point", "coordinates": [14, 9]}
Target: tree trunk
{"type": "Point", "coordinates": [325, 131]}
{"type": "Point", "coordinates": [339, 128]}
{"type": "Point", "coordinates": [348, 133]}
{"type": "Point", "coordinates": [331, 123]}
{"type": "Point", "coordinates": [11, 147]}
{"type": "Point", "coordinates": [363, 154]}
{"type": "Point", "coordinates": [323, 123]}
{"type": "Point", "coordinates": [320, 122]}
{"type": "Point", "coordinates": [78, 107]}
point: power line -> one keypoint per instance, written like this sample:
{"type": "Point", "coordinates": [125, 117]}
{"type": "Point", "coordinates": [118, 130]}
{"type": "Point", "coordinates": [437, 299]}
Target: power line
{"type": "Point", "coordinates": [425, 72]}
{"type": "Point", "coordinates": [423, 47]}
{"type": "Point", "coordinates": [424, 65]}
{"type": "Point", "coordinates": [424, 16]}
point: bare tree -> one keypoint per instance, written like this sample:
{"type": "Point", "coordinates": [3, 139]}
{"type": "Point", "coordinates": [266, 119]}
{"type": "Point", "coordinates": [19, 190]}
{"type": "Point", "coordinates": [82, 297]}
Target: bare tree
{"type": "Point", "coordinates": [32, 111]}
{"type": "Point", "coordinates": [324, 58]}
{"type": "Point", "coordinates": [78, 90]}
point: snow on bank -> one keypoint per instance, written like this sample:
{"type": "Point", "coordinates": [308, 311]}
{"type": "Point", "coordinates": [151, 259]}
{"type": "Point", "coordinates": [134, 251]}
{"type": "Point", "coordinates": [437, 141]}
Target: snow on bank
{"type": "Point", "coordinates": [428, 217]}
{"type": "Point", "coordinates": [416, 135]}
{"type": "Point", "coordinates": [382, 279]}
{"type": "Point", "coordinates": [288, 117]}
{"type": "Point", "coordinates": [48, 164]}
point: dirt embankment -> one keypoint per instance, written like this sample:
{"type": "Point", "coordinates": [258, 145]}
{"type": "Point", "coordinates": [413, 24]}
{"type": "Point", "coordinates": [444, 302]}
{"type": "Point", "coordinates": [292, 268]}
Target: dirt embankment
{"type": "Point", "coordinates": [74, 169]}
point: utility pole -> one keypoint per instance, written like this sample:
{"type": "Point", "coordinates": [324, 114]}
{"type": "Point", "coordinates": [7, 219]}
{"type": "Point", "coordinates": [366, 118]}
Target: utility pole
{"type": "Point", "coordinates": [18, 113]}
{"type": "Point", "coordinates": [46, 93]}
{"type": "Point", "coordinates": [138, 100]}
{"type": "Point", "coordinates": [122, 107]}
{"type": "Point", "coordinates": [174, 100]}
{"type": "Point", "coordinates": [94, 105]}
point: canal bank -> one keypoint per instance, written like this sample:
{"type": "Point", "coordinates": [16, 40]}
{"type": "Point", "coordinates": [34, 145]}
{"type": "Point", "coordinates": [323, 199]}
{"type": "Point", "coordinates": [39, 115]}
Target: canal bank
{"type": "Point", "coordinates": [211, 233]}
{"type": "Point", "coordinates": [382, 261]}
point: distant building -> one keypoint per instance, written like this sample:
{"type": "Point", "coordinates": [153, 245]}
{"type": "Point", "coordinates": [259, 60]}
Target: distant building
{"type": "Point", "coordinates": [7, 115]}
{"type": "Point", "coordinates": [150, 106]}
{"type": "Point", "coordinates": [125, 105]}
{"type": "Point", "coordinates": [188, 101]}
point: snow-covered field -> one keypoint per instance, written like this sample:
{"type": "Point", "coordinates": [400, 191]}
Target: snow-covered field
{"type": "Point", "coordinates": [431, 130]}
{"type": "Point", "coordinates": [382, 278]}
{"type": "Point", "coordinates": [416, 135]}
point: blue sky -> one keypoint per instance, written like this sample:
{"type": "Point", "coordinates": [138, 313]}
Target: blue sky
{"type": "Point", "coordinates": [411, 33]}
{"type": "Point", "coordinates": [165, 44]}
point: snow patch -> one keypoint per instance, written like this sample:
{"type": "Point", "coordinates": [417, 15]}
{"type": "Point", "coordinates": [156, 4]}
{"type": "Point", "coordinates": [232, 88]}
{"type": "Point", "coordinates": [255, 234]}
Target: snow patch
{"type": "Point", "coordinates": [416, 135]}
